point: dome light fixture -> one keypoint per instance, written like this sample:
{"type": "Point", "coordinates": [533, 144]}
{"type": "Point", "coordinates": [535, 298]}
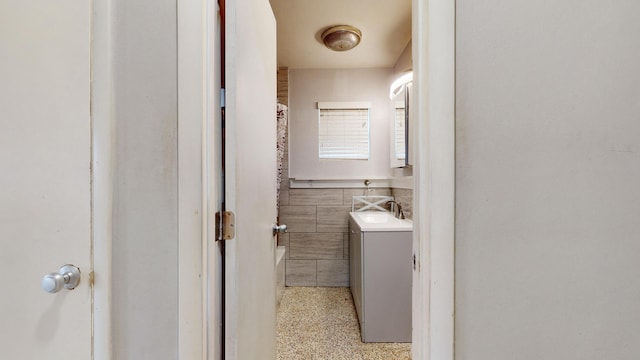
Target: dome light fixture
{"type": "Point", "coordinates": [341, 37]}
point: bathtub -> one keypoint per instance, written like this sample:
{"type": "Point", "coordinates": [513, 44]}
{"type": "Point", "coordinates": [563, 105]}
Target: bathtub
{"type": "Point", "coordinates": [280, 252]}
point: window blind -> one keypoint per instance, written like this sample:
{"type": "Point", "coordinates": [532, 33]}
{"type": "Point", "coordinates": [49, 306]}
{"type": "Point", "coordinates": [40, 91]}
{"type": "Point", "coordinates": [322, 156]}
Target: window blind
{"type": "Point", "coordinates": [343, 133]}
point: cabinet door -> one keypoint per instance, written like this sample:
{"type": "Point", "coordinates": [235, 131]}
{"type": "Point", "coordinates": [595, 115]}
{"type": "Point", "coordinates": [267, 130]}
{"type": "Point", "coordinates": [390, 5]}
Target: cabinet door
{"type": "Point", "coordinates": [352, 272]}
{"type": "Point", "coordinates": [355, 266]}
{"type": "Point", "coordinates": [387, 271]}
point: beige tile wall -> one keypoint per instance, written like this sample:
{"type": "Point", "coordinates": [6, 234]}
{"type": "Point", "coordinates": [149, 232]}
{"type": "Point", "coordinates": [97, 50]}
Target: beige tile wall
{"type": "Point", "coordinates": [318, 240]}
{"type": "Point", "coordinates": [405, 198]}
{"type": "Point", "coordinates": [283, 85]}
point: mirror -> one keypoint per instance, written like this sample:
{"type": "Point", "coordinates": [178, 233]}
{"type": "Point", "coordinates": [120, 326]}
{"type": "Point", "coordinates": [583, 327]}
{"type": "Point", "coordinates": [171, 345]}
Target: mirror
{"type": "Point", "coordinates": [400, 94]}
{"type": "Point", "coordinates": [398, 132]}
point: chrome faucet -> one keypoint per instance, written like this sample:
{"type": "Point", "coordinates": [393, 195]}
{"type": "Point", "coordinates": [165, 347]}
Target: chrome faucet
{"type": "Point", "coordinates": [397, 209]}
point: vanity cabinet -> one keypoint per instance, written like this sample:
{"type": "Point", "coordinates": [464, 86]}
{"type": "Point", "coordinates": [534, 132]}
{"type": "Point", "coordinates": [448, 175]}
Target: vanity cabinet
{"type": "Point", "coordinates": [381, 277]}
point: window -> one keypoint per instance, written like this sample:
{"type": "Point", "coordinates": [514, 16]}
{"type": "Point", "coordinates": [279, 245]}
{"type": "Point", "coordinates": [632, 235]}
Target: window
{"type": "Point", "coordinates": [343, 130]}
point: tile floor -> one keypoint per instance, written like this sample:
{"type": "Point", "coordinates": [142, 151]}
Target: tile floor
{"type": "Point", "coordinates": [320, 323]}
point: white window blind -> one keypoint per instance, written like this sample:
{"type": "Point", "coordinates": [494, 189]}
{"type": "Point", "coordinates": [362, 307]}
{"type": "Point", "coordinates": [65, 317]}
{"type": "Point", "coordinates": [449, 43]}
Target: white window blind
{"type": "Point", "coordinates": [343, 132]}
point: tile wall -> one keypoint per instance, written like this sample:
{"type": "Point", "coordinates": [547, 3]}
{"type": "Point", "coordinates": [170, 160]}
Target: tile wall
{"type": "Point", "coordinates": [405, 198]}
{"type": "Point", "coordinates": [283, 85]}
{"type": "Point", "coordinates": [318, 241]}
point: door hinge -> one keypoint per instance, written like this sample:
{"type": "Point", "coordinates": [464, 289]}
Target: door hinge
{"type": "Point", "coordinates": [225, 225]}
{"type": "Point", "coordinates": [222, 99]}
{"type": "Point", "coordinates": [414, 262]}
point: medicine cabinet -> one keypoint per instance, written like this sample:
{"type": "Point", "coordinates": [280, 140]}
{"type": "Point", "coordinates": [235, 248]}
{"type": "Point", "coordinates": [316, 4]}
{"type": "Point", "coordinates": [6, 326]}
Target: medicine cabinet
{"type": "Point", "coordinates": [401, 144]}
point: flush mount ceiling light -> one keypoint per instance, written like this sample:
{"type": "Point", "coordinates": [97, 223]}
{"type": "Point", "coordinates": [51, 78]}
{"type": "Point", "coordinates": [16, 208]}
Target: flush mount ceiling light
{"type": "Point", "coordinates": [341, 37]}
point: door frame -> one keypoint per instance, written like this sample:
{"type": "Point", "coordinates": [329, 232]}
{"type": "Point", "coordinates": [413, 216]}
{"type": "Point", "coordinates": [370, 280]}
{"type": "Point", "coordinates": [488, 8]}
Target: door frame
{"type": "Point", "coordinates": [434, 179]}
{"type": "Point", "coordinates": [198, 259]}
{"type": "Point", "coordinates": [433, 36]}
{"type": "Point", "coordinates": [102, 157]}
{"type": "Point", "coordinates": [197, 262]}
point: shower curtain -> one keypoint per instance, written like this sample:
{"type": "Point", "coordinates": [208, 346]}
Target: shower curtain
{"type": "Point", "coordinates": [282, 114]}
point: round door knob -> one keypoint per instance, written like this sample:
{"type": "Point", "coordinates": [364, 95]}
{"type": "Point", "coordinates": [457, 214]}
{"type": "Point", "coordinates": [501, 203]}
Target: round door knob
{"type": "Point", "coordinates": [53, 282]}
{"type": "Point", "coordinates": [279, 229]}
{"type": "Point", "coordinates": [67, 277]}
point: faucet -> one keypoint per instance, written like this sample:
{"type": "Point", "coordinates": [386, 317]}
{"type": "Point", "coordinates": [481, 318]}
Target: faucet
{"type": "Point", "coordinates": [397, 210]}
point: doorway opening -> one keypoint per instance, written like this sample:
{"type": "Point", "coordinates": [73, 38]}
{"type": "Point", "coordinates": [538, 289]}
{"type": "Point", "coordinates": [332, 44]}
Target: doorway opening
{"type": "Point", "coordinates": [433, 29]}
{"type": "Point", "coordinates": [317, 198]}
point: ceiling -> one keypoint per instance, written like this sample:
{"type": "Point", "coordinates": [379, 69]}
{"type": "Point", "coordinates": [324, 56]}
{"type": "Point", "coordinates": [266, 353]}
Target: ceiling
{"type": "Point", "coordinates": [385, 26]}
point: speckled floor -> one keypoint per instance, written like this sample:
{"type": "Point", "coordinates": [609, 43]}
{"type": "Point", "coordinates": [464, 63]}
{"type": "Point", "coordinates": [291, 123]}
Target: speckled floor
{"type": "Point", "coordinates": [321, 323]}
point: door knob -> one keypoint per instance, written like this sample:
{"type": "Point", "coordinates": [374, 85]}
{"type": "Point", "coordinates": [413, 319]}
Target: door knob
{"type": "Point", "coordinates": [67, 277]}
{"type": "Point", "coordinates": [279, 229]}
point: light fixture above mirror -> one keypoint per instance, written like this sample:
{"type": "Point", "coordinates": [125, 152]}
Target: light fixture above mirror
{"type": "Point", "coordinates": [398, 85]}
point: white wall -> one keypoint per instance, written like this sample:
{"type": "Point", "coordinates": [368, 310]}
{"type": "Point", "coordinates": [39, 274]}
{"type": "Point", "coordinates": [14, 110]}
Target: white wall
{"type": "Point", "coordinates": [547, 180]}
{"type": "Point", "coordinates": [145, 236]}
{"type": "Point", "coordinates": [306, 88]}
{"type": "Point", "coordinates": [404, 62]}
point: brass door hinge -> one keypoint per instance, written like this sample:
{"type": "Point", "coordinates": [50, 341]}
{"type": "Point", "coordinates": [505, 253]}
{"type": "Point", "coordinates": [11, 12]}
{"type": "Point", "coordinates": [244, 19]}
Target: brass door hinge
{"type": "Point", "coordinates": [225, 225]}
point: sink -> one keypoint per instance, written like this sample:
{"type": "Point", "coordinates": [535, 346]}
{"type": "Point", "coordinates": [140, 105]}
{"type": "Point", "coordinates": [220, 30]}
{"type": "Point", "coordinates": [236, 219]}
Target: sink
{"type": "Point", "coordinates": [380, 221]}
{"type": "Point", "coordinates": [375, 217]}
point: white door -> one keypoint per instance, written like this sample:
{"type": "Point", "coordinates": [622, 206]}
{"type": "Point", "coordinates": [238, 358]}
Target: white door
{"type": "Point", "coordinates": [250, 177]}
{"type": "Point", "coordinates": [45, 194]}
